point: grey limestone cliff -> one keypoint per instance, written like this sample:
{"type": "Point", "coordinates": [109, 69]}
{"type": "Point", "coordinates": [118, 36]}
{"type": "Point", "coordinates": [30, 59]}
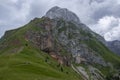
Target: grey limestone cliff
{"type": "Point", "coordinates": [65, 14]}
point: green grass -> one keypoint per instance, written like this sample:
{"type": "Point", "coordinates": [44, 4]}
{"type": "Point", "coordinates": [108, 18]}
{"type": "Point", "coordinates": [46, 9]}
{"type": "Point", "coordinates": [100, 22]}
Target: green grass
{"type": "Point", "coordinates": [30, 64]}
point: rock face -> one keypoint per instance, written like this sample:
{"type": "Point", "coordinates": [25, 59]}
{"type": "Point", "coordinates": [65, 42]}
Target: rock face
{"type": "Point", "coordinates": [114, 46]}
{"type": "Point", "coordinates": [63, 13]}
{"type": "Point", "coordinates": [70, 36]}
{"type": "Point", "coordinates": [45, 40]}
{"type": "Point", "coordinates": [58, 28]}
{"type": "Point", "coordinates": [96, 74]}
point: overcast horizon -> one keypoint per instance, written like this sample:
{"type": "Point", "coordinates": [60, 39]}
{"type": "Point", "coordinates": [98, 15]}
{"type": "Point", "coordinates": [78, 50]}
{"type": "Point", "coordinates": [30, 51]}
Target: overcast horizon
{"type": "Point", "coordinates": [102, 16]}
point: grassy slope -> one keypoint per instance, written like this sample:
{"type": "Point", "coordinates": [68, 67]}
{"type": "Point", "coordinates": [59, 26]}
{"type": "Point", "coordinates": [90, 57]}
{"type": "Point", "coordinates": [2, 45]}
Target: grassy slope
{"type": "Point", "coordinates": [104, 52]}
{"type": "Point", "coordinates": [30, 64]}
{"type": "Point", "coordinates": [108, 56]}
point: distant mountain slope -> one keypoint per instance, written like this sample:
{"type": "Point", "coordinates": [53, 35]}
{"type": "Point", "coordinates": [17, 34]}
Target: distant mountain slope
{"type": "Point", "coordinates": [57, 48]}
{"type": "Point", "coordinates": [114, 46]}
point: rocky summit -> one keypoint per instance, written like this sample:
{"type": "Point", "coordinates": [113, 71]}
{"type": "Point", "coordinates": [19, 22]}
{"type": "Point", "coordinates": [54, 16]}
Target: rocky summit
{"type": "Point", "coordinates": [63, 13]}
{"type": "Point", "coordinates": [56, 47]}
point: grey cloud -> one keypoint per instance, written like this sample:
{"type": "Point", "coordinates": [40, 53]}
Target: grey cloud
{"type": "Point", "coordinates": [4, 13]}
{"type": "Point", "coordinates": [101, 13]}
{"type": "Point", "coordinates": [98, 1]}
{"type": "Point", "coordinates": [37, 9]}
{"type": "Point", "coordinates": [106, 11]}
{"type": "Point", "coordinates": [116, 10]}
{"type": "Point", "coordinates": [109, 27]}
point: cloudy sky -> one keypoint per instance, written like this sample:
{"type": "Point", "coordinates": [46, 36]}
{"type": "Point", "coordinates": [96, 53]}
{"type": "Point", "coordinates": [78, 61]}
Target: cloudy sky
{"type": "Point", "coordinates": [102, 16]}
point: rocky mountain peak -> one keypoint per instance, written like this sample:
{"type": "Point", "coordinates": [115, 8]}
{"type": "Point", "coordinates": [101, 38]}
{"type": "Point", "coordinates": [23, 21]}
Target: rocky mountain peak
{"type": "Point", "coordinates": [63, 13]}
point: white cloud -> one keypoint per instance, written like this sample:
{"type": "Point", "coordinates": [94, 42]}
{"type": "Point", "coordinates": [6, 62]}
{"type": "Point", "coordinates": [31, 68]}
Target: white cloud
{"type": "Point", "coordinates": [109, 27]}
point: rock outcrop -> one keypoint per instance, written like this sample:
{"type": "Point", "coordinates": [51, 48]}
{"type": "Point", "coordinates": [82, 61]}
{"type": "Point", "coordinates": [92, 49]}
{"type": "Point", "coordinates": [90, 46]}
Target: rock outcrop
{"type": "Point", "coordinates": [63, 13]}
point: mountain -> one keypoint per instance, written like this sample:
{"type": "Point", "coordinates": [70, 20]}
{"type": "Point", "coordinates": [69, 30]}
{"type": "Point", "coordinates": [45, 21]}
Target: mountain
{"type": "Point", "coordinates": [114, 46]}
{"type": "Point", "coordinates": [56, 47]}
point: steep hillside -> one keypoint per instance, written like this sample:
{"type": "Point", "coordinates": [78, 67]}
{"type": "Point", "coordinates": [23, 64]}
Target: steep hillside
{"type": "Point", "coordinates": [56, 47]}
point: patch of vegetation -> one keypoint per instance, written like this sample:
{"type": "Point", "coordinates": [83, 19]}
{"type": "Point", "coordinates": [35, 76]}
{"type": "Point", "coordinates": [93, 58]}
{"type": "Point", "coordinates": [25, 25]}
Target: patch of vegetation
{"type": "Point", "coordinates": [104, 52]}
